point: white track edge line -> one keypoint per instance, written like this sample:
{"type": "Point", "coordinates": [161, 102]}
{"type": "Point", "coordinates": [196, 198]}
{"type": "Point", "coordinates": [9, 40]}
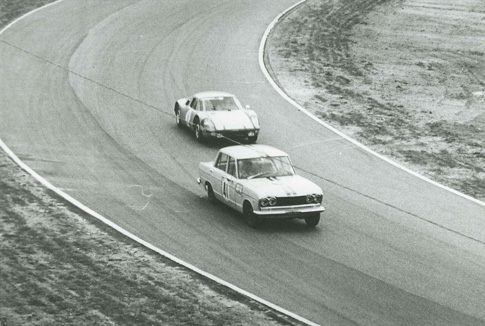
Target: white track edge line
{"type": "Point", "coordinates": [106, 221]}
{"type": "Point", "coordinates": [328, 126]}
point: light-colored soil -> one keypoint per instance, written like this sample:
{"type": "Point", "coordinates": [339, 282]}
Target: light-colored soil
{"type": "Point", "coordinates": [405, 77]}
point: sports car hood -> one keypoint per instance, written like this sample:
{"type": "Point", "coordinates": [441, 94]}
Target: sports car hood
{"type": "Point", "coordinates": [294, 185]}
{"type": "Point", "coordinates": [230, 120]}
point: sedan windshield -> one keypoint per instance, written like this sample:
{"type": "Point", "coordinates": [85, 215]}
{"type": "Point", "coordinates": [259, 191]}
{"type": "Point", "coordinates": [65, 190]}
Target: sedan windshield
{"type": "Point", "coordinates": [264, 167]}
{"type": "Point", "coordinates": [223, 103]}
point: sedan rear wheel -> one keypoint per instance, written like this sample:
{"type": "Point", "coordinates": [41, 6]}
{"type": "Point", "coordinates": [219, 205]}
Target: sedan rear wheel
{"type": "Point", "coordinates": [210, 193]}
{"type": "Point", "coordinates": [249, 216]}
{"type": "Point", "coordinates": [312, 220]}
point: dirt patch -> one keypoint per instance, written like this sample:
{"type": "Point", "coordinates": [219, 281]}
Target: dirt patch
{"type": "Point", "coordinates": [404, 77]}
{"type": "Point", "coordinates": [11, 9]}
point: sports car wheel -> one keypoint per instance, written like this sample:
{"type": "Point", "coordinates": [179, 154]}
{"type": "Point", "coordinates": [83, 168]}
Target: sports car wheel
{"type": "Point", "coordinates": [249, 216]}
{"type": "Point", "coordinates": [253, 139]}
{"type": "Point", "coordinates": [177, 118]}
{"type": "Point", "coordinates": [312, 220]}
{"type": "Point", "coordinates": [210, 193]}
{"type": "Point", "coordinates": [198, 133]}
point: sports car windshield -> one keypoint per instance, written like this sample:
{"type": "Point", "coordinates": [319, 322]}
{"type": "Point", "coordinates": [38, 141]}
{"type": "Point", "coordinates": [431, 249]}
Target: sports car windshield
{"type": "Point", "coordinates": [264, 167]}
{"type": "Point", "coordinates": [223, 103]}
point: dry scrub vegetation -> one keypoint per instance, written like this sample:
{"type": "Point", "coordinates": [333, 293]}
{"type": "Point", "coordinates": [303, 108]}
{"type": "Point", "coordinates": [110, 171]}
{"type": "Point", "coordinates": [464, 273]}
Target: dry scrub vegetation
{"type": "Point", "coordinates": [405, 77]}
{"type": "Point", "coordinates": [60, 267]}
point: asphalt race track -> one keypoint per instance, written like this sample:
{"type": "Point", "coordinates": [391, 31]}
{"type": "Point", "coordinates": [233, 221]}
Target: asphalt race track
{"type": "Point", "coordinates": [86, 100]}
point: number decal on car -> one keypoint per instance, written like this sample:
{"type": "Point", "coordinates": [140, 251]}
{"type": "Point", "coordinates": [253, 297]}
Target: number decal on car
{"type": "Point", "coordinates": [239, 188]}
{"type": "Point", "coordinates": [225, 189]}
{"type": "Point", "coordinates": [187, 117]}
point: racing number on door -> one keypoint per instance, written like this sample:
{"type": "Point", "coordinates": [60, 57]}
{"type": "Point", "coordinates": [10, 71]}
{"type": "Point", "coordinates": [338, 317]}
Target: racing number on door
{"type": "Point", "coordinates": [187, 117]}
{"type": "Point", "coordinates": [225, 189]}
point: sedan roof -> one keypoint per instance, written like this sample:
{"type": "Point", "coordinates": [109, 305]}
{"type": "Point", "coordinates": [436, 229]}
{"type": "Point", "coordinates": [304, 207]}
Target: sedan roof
{"type": "Point", "coordinates": [212, 94]}
{"type": "Point", "coordinates": [252, 151]}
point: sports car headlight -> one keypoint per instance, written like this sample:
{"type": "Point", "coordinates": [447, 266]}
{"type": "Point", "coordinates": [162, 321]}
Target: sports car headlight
{"type": "Point", "coordinates": [254, 120]}
{"type": "Point", "coordinates": [207, 124]}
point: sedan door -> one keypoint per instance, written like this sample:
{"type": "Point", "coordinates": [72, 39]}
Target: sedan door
{"type": "Point", "coordinates": [224, 182]}
{"type": "Point", "coordinates": [229, 183]}
{"type": "Point", "coordinates": [219, 175]}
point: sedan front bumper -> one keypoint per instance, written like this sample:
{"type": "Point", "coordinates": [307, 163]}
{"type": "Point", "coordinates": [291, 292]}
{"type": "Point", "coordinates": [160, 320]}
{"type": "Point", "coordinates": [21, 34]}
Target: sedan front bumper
{"type": "Point", "coordinates": [288, 211]}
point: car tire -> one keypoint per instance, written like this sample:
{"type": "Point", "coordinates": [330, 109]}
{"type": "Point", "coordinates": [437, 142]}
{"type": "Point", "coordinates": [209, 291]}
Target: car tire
{"type": "Point", "coordinates": [312, 220]}
{"type": "Point", "coordinates": [177, 118]}
{"type": "Point", "coordinates": [210, 193]}
{"type": "Point", "coordinates": [249, 216]}
{"type": "Point", "coordinates": [252, 140]}
{"type": "Point", "coordinates": [198, 133]}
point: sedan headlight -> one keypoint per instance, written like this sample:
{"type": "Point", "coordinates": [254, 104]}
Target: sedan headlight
{"type": "Point", "coordinates": [264, 202]}
{"type": "Point", "coordinates": [314, 198]}
{"type": "Point", "coordinates": [207, 124]}
{"type": "Point", "coordinates": [268, 201]}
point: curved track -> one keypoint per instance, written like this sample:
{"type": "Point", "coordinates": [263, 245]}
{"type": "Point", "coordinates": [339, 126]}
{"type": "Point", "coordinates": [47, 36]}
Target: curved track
{"type": "Point", "coordinates": [86, 101]}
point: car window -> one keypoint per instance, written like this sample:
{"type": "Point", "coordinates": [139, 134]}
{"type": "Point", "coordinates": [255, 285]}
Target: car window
{"type": "Point", "coordinates": [222, 103]}
{"type": "Point", "coordinates": [247, 168]}
{"type": "Point", "coordinates": [198, 106]}
{"type": "Point", "coordinates": [277, 166]}
{"type": "Point", "coordinates": [231, 168]}
{"type": "Point", "coordinates": [283, 165]}
{"type": "Point", "coordinates": [221, 162]}
{"type": "Point", "coordinates": [193, 104]}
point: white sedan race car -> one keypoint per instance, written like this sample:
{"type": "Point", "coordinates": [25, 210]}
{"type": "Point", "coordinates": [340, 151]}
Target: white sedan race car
{"type": "Point", "coordinates": [217, 114]}
{"type": "Point", "coordinates": [260, 182]}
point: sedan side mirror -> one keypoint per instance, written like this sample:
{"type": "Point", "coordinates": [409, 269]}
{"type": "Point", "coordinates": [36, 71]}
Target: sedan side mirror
{"type": "Point", "coordinates": [248, 107]}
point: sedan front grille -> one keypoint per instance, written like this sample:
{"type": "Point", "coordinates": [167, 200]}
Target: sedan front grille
{"type": "Point", "coordinates": [291, 201]}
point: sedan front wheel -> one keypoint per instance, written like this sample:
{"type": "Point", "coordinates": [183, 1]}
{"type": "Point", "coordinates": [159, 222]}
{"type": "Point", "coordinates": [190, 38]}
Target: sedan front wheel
{"type": "Point", "coordinates": [312, 220]}
{"type": "Point", "coordinates": [249, 216]}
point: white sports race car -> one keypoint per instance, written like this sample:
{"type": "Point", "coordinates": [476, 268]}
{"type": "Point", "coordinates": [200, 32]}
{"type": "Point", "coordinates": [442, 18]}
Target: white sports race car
{"type": "Point", "coordinates": [259, 181]}
{"type": "Point", "coordinates": [217, 114]}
